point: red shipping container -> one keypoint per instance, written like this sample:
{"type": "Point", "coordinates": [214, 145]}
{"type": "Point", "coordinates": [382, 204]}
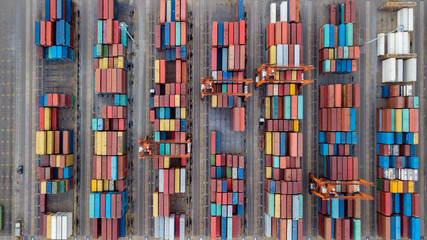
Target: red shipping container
{"type": "Point", "coordinates": [214, 34]}
{"type": "Point", "coordinates": [242, 32]}
{"type": "Point", "coordinates": [270, 35]}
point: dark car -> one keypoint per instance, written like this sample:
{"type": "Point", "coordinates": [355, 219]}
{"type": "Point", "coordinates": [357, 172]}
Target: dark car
{"type": "Point", "coordinates": [21, 169]}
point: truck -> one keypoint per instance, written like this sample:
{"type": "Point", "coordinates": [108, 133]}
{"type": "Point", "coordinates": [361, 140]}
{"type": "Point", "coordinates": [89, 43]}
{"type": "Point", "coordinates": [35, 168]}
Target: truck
{"type": "Point", "coordinates": [18, 228]}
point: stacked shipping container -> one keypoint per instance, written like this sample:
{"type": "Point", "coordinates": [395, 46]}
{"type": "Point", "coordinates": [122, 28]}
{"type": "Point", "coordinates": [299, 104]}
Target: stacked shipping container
{"type": "Point", "coordinates": [283, 118]}
{"type": "Point", "coordinates": [168, 113]}
{"type": "Point", "coordinates": [339, 218]}
{"type": "Point", "coordinates": [338, 52]}
{"type": "Point", "coordinates": [56, 225]}
{"type": "Point", "coordinates": [398, 205]}
{"type": "Point", "coordinates": [227, 190]}
{"type": "Point", "coordinates": [108, 200]}
{"type": "Point", "coordinates": [55, 170]}
{"type": "Point", "coordinates": [55, 35]}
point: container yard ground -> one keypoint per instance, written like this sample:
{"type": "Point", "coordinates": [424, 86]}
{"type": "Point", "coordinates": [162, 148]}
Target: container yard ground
{"type": "Point", "coordinates": [19, 70]}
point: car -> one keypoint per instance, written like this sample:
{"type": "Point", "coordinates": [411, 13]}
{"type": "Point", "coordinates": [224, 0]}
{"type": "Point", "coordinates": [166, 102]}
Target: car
{"type": "Point", "coordinates": [20, 169]}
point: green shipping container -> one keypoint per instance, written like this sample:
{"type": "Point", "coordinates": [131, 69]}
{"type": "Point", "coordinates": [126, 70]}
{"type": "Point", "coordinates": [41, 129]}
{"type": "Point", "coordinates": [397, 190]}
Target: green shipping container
{"type": "Point", "coordinates": [229, 228]}
{"type": "Point", "coordinates": [124, 38]}
{"type": "Point", "coordinates": [213, 209]}
{"type": "Point", "coordinates": [228, 172]}
{"type": "Point", "coordinates": [62, 186]}
{"type": "Point", "coordinates": [270, 204]}
{"type": "Point", "coordinates": [91, 205]}
{"type": "Point", "coordinates": [99, 50]}
{"type": "Point", "coordinates": [105, 51]}
{"type": "Point", "coordinates": [345, 52]}
{"type": "Point", "coordinates": [405, 120]}
{"type": "Point", "coordinates": [54, 187]}
{"type": "Point", "coordinates": [349, 34]}
{"type": "Point", "coordinates": [99, 32]}
{"type": "Point", "coordinates": [167, 149]}
{"type": "Point", "coordinates": [1, 217]}
{"type": "Point", "coordinates": [379, 184]}
{"type": "Point", "coordinates": [218, 210]}
{"type": "Point", "coordinates": [327, 66]}
{"type": "Point", "coordinates": [213, 159]}
{"type": "Point", "coordinates": [224, 88]}
{"type": "Point", "coordinates": [300, 107]}
{"type": "Point", "coordinates": [416, 102]}
{"type": "Point", "coordinates": [276, 162]}
{"type": "Point", "coordinates": [123, 100]}
{"type": "Point", "coordinates": [94, 124]}
{"type": "Point", "coordinates": [178, 34]}
{"type": "Point", "coordinates": [162, 149]}
{"type": "Point", "coordinates": [156, 136]}
{"type": "Point", "coordinates": [287, 109]}
{"type": "Point", "coordinates": [392, 120]}
{"type": "Point", "coordinates": [356, 229]}
{"type": "Point", "coordinates": [326, 35]}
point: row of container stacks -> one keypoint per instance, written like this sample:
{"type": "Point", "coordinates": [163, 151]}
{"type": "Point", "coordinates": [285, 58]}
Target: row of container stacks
{"type": "Point", "coordinates": [227, 190]}
{"type": "Point", "coordinates": [55, 35]}
{"type": "Point", "coordinates": [171, 226]}
{"type": "Point", "coordinates": [283, 39]}
{"type": "Point", "coordinates": [168, 115]}
{"type": "Point", "coordinates": [108, 197]}
{"type": "Point", "coordinates": [55, 167]}
{"type": "Point", "coordinates": [110, 51]}
{"type": "Point", "coordinates": [283, 228]}
{"type": "Point", "coordinates": [284, 107]}
{"type": "Point", "coordinates": [398, 205]}
{"type": "Point", "coordinates": [56, 225]}
{"type": "Point", "coordinates": [339, 218]}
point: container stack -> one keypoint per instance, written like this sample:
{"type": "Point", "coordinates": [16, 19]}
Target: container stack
{"type": "Point", "coordinates": [339, 218]}
{"type": "Point", "coordinates": [110, 51]}
{"type": "Point", "coordinates": [227, 190]}
{"type": "Point", "coordinates": [108, 198]}
{"type": "Point", "coordinates": [168, 114]}
{"type": "Point", "coordinates": [284, 39]}
{"type": "Point", "coordinates": [55, 35]}
{"type": "Point", "coordinates": [397, 164]}
{"type": "Point", "coordinates": [283, 122]}
{"type": "Point", "coordinates": [56, 225]}
{"type": "Point", "coordinates": [338, 51]}
{"type": "Point", "coordinates": [398, 205]}
{"type": "Point", "coordinates": [55, 170]}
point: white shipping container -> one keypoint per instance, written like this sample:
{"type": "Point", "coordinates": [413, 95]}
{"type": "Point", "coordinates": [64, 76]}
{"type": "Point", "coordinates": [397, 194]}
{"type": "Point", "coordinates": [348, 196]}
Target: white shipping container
{"type": "Point", "coordinates": [162, 227]}
{"type": "Point", "coordinates": [230, 211]}
{"type": "Point", "coordinates": [182, 183]}
{"type": "Point", "coordinates": [279, 55]}
{"type": "Point", "coordinates": [234, 173]}
{"type": "Point", "coordinates": [295, 207]}
{"type": "Point", "coordinates": [284, 11]}
{"type": "Point", "coordinates": [398, 41]}
{"type": "Point", "coordinates": [381, 44]}
{"type": "Point", "coordinates": [410, 70]}
{"type": "Point", "coordinates": [276, 90]}
{"type": "Point", "coordinates": [224, 211]}
{"type": "Point", "coordinates": [273, 13]}
{"type": "Point", "coordinates": [410, 19]}
{"type": "Point", "coordinates": [161, 179]}
{"type": "Point", "coordinates": [172, 227]}
{"type": "Point", "coordinates": [289, 229]}
{"type": "Point", "coordinates": [399, 72]}
{"type": "Point", "coordinates": [402, 18]}
{"type": "Point", "coordinates": [69, 224]}
{"type": "Point", "coordinates": [182, 227]}
{"type": "Point", "coordinates": [285, 55]}
{"type": "Point", "coordinates": [389, 70]}
{"type": "Point", "coordinates": [407, 90]}
{"type": "Point", "coordinates": [406, 43]}
{"type": "Point", "coordinates": [214, 75]}
{"type": "Point", "coordinates": [156, 227]}
{"type": "Point", "coordinates": [391, 43]}
{"type": "Point", "coordinates": [53, 226]}
{"type": "Point", "coordinates": [166, 229]}
{"type": "Point", "coordinates": [296, 55]}
{"type": "Point", "coordinates": [168, 11]}
{"type": "Point", "coordinates": [267, 225]}
{"type": "Point", "coordinates": [111, 185]}
{"type": "Point", "coordinates": [59, 226]}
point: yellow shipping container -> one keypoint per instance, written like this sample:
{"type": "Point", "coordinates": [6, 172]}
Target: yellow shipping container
{"type": "Point", "coordinates": [155, 204]}
{"type": "Point", "coordinates": [331, 53]}
{"type": "Point", "coordinates": [294, 75]}
{"type": "Point", "coordinates": [272, 52]}
{"type": "Point", "coordinates": [99, 185]}
{"type": "Point", "coordinates": [172, 125]}
{"type": "Point", "coordinates": [105, 182]}
{"type": "Point", "coordinates": [268, 143]}
{"type": "Point", "coordinates": [95, 143]}
{"type": "Point", "coordinates": [177, 174]}
{"type": "Point", "coordinates": [162, 125]}
{"type": "Point", "coordinates": [50, 142]}
{"type": "Point", "coordinates": [393, 186]}
{"type": "Point", "coordinates": [410, 186]}
{"type": "Point", "coordinates": [166, 162]}
{"type": "Point", "coordinates": [182, 113]}
{"type": "Point", "coordinates": [94, 185]}
{"type": "Point", "coordinates": [268, 172]}
{"type": "Point", "coordinates": [291, 89]}
{"type": "Point", "coordinates": [267, 107]}
{"type": "Point", "coordinates": [296, 125]}
{"type": "Point", "coordinates": [157, 71]}
{"type": "Point", "coordinates": [49, 226]}
{"type": "Point", "coordinates": [416, 141]}
{"type": "Point", "coordinates": [277, 205]}
{"type": "Point", "coordinates": [398, 120]}
{"type": "Point", "coordinates": [399, 186]}
{"type": "Point", "coordinates": [167, 124]}
{"type": "Point", "coordinates": [103, 63]}
{"type": "Point", "coordinates": [41, 142]}
{"type": "Point", "coordinates": [177, 101]}
{"type": "Point", "coordinates": [104, 143]}
{"type": "Point", "coordinates": [69, 159]}
{"type": "Point", "coordinates": [121, 142]}
{"type": "Point", "coordinates": [43, 187]}
{"type": "Point", "coordinates": [58, 161]}
{"type": "Point", "coordinates": [214, 102]}
{"type": "Point", "coordinates": [47, 118]}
